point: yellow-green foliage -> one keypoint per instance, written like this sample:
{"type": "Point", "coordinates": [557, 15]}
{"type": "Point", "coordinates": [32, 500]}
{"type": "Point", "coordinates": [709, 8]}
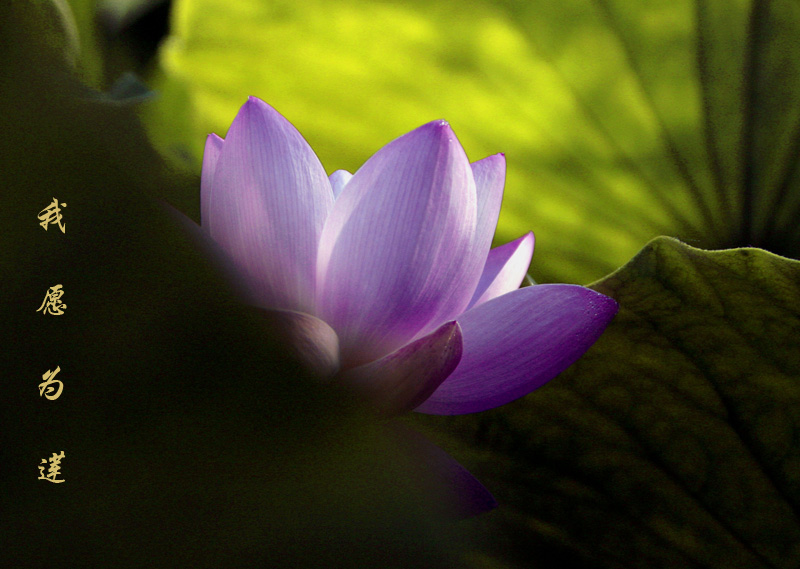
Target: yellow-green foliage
{"type": "Point", "coordinates": [621, 119]}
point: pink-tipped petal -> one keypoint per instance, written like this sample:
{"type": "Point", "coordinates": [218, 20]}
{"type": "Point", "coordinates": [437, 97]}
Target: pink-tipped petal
{"type": "Point", "coordinates": [269, 202]}
{"type": "Point", "coordinates": [399, 237]}
{"type": "Point", "coordinates": [460, 494]}
{"type": "Point", "coordinates": [310, 340]}
{"type": "Point", "coordinates": [210, 156]}
{"type": "Point", "coordinates": [505, 269]}
{"type": "Point", "coordinates": [518, 342]}
{"type": "Point", "coordinates": [338, 181]}
{"type": "Point", "coordinates": [399, 382]}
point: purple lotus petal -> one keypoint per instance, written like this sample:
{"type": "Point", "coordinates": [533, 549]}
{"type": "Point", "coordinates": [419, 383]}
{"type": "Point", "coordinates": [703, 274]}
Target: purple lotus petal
{"type": "Point", "coordinates": [269, 203]}
{"type": "Point", "coordinates": [519, 341]}
{"type": "Point", "coordinates": [338, 181]}
{"type": "Point", "coordinates": [210, 157]}
{"type": "Point", "coordinates": [490, 178]}
{"type": "Point", "coordinates": [460, 493]}
{"type": "Point", "coordinates": [400, 234]}
{"type": "Point", "coordinates": [399, 382]}
{"type": "Point", "coordinates": [506, 267]}
{"type": "Point", "coordinates": [311, 340]}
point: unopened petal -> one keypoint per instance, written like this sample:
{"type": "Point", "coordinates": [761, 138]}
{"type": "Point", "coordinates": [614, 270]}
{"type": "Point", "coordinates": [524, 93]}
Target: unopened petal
{"type": "Point", "coordinates": [269, 203]}
{"type": "Point", "coordinates": [518, 342]}
{"type": "Point", "coordinates": [399, 237]}
{"type": "Point", "coordinates": [405, 378]}
{"type": "Point", "coordinates": [505, 269]}
{"type": "Point", "coordinates": [338, 181]}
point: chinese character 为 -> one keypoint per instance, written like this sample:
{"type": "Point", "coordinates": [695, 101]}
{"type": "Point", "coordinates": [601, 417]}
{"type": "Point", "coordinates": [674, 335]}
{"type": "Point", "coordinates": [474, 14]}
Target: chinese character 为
{"type": "Point", "coordinates": [52, 214]}
{"type": "Point", "coordinates": [52, 302]}
{"type": "Point", "coordinates": [46, 387]}
{"type": "Point", "coordinates": [54, 470]}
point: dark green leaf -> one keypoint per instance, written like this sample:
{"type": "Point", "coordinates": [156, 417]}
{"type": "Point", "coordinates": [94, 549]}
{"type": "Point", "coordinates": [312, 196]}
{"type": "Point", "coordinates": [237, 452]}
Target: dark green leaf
{"type": "Point", "coordinates": [82, 19]}
{"type": "Point", "coordinates": [675, 441]}
{"type": "Point", "coordinates": [191, 439]}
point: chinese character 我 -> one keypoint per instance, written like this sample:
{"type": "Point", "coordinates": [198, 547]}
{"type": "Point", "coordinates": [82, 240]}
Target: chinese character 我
{"type": "Point", "coordinates": [54, 470]}
{"type": "Point", "coordinates": [52, 214]}
{"type": "Point", "coordinates": [46, 387]}
{"type": "Point", "coordinates": [52, 302]}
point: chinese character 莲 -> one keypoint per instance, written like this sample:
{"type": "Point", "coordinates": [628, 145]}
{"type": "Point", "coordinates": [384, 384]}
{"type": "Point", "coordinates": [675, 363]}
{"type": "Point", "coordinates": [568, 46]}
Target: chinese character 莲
{"type": "Point", "coordinates": [52, 302]}
{"type": "Point", "coordinates": [52, 214]}
{"type": "Point", "coordinates": [46, 387]}
{"type": "Point", "coordinates": [54, 470]}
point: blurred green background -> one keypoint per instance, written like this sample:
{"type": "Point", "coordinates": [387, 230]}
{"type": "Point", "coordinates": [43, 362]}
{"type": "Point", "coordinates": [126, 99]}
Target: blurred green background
{"type": "Point", "coordinates": [621, 120]}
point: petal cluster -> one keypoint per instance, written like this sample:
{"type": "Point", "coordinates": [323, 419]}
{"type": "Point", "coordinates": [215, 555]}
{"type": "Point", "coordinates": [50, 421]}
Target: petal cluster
{"type": "Point", "coordinates": [385, 279]}
{"type": "Point", "coordinates": [394, 263]}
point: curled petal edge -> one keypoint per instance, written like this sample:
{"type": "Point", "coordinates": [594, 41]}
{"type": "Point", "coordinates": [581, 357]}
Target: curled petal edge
{"type": "Point", "coordinates": [400, 381]}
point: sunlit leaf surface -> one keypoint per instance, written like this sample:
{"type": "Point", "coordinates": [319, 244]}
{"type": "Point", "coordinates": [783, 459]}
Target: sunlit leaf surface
{"type": "Point", "coordinates": [673, 442]}
{"type": "Point", "coordinates": [621, 119]}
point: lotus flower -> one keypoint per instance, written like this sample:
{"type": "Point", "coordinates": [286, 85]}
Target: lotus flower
{"type": "Point", "coordinates": [385, 277]}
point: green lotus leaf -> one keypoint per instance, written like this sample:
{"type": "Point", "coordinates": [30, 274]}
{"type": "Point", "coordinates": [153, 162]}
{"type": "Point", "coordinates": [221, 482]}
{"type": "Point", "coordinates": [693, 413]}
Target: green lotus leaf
{"type": "Point", "coordinates": [78, 19]}
{"type": "Point", "coordinates": [674, 442]}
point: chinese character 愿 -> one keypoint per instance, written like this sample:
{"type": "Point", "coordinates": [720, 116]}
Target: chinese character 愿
{"type": "Point", "coordinates": [52, 214]}
{"type": "Point", "coordinates": [46, 387]}
{"type": "Point", "coordinates": [54, 470]}
{"type": "Point", "coordinates": [52, 302]}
